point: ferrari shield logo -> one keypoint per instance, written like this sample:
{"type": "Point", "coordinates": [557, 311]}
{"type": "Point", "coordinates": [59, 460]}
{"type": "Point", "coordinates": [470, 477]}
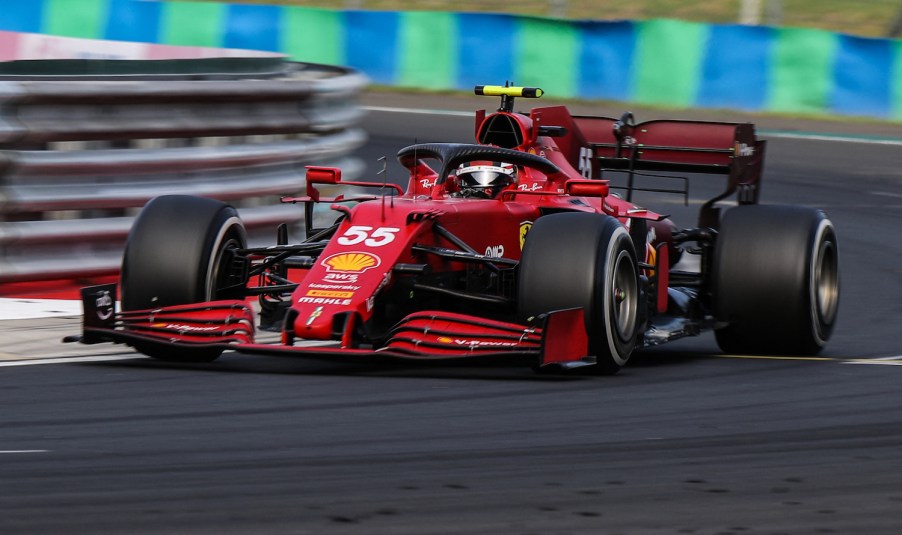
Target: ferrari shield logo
{"type": "Point", "coordinates": [524, 230]}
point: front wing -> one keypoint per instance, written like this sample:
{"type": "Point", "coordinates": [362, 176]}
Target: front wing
{"type": "Point", "coordinates": [555, 339]}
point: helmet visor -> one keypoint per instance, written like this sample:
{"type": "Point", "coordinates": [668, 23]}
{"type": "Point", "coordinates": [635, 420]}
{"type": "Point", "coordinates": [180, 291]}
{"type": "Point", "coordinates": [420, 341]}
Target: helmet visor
{"type": "Point", "coordinates": [486, 176]}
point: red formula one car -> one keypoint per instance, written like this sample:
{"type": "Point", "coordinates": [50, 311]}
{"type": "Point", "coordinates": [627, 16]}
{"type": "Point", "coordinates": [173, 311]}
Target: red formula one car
{"type": "Point", "coordinates": [513, 249]}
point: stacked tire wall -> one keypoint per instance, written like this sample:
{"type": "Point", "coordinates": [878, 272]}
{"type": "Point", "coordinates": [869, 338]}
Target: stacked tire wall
{"type": "Point", "coordinates": [84, 144]}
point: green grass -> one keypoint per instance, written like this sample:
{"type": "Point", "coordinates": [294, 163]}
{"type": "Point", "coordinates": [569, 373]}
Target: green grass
{"type": "Point", "coordinates": [871, 18]}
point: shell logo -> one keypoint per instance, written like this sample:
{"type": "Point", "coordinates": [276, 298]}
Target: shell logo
{"type": "Point", "coordinates": [351, 262]}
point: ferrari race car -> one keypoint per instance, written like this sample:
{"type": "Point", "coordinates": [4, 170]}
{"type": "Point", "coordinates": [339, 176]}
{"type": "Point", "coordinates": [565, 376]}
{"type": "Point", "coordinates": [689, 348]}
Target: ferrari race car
{"type": "Point", "coordinates": [511, 249]}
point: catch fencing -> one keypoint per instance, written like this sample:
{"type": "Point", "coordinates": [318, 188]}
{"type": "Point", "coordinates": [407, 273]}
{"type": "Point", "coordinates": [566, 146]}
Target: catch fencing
{"type": "Point", "coordinates": [85, 144]}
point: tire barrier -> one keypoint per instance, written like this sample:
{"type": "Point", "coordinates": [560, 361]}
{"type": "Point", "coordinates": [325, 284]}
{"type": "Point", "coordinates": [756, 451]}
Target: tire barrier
{"type": "Point", "coordinates": [659, 62]}
{"type": "Point", "coordinates": [15, 46]}
{"type": "Point", "coordinates": [85, 144]}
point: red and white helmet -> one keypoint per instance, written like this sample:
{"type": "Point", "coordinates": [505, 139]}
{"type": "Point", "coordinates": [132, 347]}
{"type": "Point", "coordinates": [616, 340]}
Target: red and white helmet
{"type": "Point", "coordinates": [485, 178]}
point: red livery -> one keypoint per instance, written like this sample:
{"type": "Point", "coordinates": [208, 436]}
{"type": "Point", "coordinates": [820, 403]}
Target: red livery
{"type": "Point", "coordinates": [516, 248]}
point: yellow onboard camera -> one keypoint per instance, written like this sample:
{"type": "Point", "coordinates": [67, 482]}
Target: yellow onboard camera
{"type": "Point", "coordinates": [507, 94]}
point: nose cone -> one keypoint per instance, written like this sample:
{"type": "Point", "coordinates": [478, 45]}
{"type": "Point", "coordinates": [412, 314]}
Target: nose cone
{"type": "Point", "coordinates": [354, 268]}
{"type": "Point", "coordinates": [314, 323]}
{"type": "Point", "coordinates": [341, 282]}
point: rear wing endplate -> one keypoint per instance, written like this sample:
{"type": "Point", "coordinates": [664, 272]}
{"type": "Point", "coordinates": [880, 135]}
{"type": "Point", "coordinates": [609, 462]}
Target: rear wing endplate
{"type": "Point", "coordinates": [730, 149]}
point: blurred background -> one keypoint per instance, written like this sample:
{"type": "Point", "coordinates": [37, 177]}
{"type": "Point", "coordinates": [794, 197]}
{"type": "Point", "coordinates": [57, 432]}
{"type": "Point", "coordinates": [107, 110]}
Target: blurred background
{"type": "Point", "coordinates": [874, 18]}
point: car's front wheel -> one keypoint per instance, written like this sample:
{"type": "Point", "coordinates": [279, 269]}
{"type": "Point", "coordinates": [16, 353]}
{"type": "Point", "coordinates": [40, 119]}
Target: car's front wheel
{"type": "Point", "coordinates": [180, 251]}
{"type": "Point", "coordinates": [585, 260]}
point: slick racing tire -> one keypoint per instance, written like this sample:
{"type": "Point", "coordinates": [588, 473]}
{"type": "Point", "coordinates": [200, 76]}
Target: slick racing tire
{"type": "Point", "coordinates": [775, 281]}
{"type": "Point", "coordinates": [178, 253]}
{"type": "Point", "coordinates": [584, 260]}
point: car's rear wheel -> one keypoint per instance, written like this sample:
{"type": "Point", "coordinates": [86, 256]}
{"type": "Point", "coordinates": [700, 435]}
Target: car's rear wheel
{"type": "Point", "coordinates": [179, 251]}
{"type": "Point", "coordinates": [584, 260]}
{"type": "Point", "coordinates": [775, 283]}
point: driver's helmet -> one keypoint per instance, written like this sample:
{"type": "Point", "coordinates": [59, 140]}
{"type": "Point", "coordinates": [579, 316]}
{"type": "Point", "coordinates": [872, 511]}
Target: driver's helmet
{"type": "Point", "coordinates": [485, 179]}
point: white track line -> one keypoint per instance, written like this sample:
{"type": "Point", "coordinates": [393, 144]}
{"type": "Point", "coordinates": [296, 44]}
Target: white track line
{"type": "Point", "coordinates": [829, 137]}
{"type": "Point", "coordinates": [880, 361]}
{"type": "Point", "coordinates": [417, 111]}
{"type": "Point", "coordinates": [23, 308]}
{"type": "Point", "coordinates": [70, 360]}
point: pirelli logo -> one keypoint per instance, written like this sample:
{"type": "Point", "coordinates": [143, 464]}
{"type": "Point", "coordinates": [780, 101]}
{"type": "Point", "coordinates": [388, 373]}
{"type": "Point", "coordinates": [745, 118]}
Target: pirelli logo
{"type": "Point", "coordinates": [329, 293]}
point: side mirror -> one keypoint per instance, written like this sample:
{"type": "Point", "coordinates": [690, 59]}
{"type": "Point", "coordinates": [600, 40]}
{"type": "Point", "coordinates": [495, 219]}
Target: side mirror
{"type": "Point", "coordinates": [323, 175]}
{"type": "Point", "coordinates": [587, 188]}
{"type": "Point", "coordinates": [320, 175]}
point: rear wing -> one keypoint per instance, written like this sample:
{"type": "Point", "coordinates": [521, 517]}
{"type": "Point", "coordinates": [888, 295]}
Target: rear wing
{"type": "Point", "coordinates": [598, 144]}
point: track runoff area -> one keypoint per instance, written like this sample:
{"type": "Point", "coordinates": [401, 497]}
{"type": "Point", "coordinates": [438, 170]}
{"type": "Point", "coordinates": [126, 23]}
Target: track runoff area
{"type": "Point", "coordinates": [60, 299]}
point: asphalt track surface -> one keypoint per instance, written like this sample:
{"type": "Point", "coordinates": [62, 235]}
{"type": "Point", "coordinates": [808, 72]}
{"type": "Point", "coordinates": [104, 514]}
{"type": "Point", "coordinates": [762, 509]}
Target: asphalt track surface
{"type": "Point", "coordinates": [684, 440]}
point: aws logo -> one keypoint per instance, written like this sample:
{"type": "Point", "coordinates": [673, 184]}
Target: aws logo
{"type": "Point", "coordinates": [524, 230]}
{"type": "Point", "coordinates": [354, 262]}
